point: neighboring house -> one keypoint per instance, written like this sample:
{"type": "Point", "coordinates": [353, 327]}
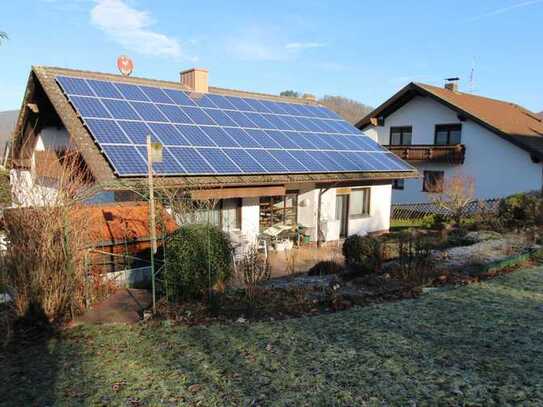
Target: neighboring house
{"type": "Point", "coordinates": [444, 132]}
{"type": "Point", "coordinates": [267, 160]}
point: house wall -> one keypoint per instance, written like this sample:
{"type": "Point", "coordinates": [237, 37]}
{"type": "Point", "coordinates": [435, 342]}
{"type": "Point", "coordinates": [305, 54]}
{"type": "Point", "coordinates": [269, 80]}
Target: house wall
{"type": "Point", "coordinates": [379, 219]}
{"type": "Point", "coordinates": [28, 189]}
{"type": "Point", "coordinates": [498, 167]}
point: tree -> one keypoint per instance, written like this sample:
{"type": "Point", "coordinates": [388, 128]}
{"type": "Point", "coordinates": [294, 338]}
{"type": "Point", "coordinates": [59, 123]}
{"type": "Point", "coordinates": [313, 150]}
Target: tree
{"type": "Point", "coordinates": [349, 109]}
{"type": "Point", "coordinates": [458, 193]}
{"type": "Point", "coordinates": [3, 36]}
{"type": "Point", "coordinates": [290, 93]}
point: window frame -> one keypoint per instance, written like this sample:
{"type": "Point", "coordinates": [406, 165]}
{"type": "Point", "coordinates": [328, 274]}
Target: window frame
{"type": "Point", "coordinates": [440, 183]}
{"type": "Point", "coordinates": [398, 184]}
{"type": "Point", "coordinates": [448, 127]}
{"type": "Point", "coordinates": [401, 130]}
{"type": "Point", "coordinates": [284, 211]}
{"type": "Point", "coordinates": [366, 204]}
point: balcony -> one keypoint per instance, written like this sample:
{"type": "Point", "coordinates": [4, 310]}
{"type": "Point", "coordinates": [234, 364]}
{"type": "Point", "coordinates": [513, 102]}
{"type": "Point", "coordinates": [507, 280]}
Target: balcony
{"type": "Point", "coordinates": [449, 154]}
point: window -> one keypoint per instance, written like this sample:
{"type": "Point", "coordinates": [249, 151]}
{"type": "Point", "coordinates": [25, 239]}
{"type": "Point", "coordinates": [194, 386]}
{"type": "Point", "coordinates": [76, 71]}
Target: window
{"type": "Point", "coordinates": [226, 214]}
{"type": "Point", "coordinates": [447, 134]}
{"type": "Point", "coordinates": [231, 214]}
{"type": "Point", "coordinates": [277, 210]}
{"type": "Point", "coordinates": [400, 136]}
{"type": "Point", "coordinates": [433, 181]}
{"type": "Point", "coordinates": [359, 204]}
{"type": "Point", "coordinates": [398, 184]}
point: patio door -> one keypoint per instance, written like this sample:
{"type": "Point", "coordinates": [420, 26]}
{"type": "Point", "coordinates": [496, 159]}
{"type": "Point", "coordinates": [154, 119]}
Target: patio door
{"type": "Point", "coordinates": [342, 214]}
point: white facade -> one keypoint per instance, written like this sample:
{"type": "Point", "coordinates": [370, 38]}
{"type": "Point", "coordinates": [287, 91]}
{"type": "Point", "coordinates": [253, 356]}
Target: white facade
{"type": "Point", "coordinates": [378, 219]}
{"type": "Point", "coordinates": [27, 189]}
{"type": "Point", "coordinates": [498, 167]}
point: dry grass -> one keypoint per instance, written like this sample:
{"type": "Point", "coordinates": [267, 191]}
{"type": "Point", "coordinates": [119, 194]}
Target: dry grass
{"type": "Point", "coordinates": [44, 264]}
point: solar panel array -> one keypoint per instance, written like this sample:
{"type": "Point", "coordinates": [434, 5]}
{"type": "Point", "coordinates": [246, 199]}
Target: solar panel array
{"type": "Point", "coordinates": [209, 134]}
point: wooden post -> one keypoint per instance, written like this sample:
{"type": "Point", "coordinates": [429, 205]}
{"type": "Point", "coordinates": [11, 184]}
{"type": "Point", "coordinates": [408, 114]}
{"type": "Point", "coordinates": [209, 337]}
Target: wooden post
{"type": "Point", "coordinates": [152, 227]}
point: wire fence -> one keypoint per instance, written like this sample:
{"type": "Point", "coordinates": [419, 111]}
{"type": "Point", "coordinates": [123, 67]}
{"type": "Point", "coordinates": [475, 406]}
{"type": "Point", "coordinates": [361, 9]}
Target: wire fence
{"type": "Point", "coordinates": [413, 211]}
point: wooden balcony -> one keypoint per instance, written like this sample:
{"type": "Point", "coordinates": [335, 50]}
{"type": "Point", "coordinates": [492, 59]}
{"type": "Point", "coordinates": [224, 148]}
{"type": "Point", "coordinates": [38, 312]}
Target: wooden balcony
{"type": "Point", "coordinates": [450, 154]}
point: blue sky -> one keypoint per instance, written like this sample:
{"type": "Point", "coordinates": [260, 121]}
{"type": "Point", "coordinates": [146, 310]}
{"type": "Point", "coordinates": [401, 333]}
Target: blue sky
{"type": "Point", "coordinates": [365, 50]}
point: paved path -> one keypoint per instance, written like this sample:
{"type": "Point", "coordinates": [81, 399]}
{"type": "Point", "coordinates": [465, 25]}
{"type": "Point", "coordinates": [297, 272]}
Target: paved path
{"type": "Point", "coordinates": [125, 306]}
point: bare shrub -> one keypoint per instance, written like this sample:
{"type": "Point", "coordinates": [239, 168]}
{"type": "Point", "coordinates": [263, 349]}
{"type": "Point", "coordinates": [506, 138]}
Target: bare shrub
{"type": "Point", "coordinates": [254, 268]}
{"type": "Point", "coordinates": [415, 259]}
{"type": "Point", "coordinates": [44, 263]}
{"type": "Point", "coordinates": [458, 193]}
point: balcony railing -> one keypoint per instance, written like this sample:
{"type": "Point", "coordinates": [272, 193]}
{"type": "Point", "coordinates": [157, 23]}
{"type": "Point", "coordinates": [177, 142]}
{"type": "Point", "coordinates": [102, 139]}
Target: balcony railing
{"type": "Point", "coordinates": [451, 154]}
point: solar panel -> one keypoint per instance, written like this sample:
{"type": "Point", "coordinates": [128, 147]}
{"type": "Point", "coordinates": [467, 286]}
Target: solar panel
{"type": "Point", "coordinates": [104, 89]}
{"type": "Point", "coordinates": [219, 161]}
{"type": "Point", "coordinates": [216, 134]}
{"type": "Point", "coordinates": [106, 131]}
{"type": "Point", "coordinates": [120, 109]}
{"type": "Point", "coordinates": [89, 107]}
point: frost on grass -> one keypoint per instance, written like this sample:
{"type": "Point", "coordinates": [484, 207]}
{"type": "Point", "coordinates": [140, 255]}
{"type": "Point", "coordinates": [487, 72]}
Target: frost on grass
{"type": "Point", "coordinates": [475, 345]}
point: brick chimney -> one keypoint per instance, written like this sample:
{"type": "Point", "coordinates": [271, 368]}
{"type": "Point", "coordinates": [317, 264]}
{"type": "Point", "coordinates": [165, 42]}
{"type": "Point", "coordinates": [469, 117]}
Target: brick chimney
{"type": "Point", "coordinates": [452, 86]}
{"type": "Point", "coordinates": [195, 79]}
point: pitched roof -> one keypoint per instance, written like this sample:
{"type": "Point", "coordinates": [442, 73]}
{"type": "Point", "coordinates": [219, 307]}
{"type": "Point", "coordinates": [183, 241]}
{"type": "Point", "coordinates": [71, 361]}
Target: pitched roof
{"type": "Point", "coordinates": [508, 120]}
{"type": "Point", "coordinates": [45, 78]}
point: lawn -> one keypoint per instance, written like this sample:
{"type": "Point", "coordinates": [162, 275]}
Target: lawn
{"type": "Point", "coordinates": [475, 345]}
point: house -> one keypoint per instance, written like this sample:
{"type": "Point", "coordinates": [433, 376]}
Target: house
{"type": "Point", "coordinates": [445, 132]}
{"type": "Point", "coordinates": [265, 160]}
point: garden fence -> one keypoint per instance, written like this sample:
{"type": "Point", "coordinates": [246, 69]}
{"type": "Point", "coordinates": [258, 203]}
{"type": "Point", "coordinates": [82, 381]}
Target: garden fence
{"type": "Point", "coordinates": [413, 211]}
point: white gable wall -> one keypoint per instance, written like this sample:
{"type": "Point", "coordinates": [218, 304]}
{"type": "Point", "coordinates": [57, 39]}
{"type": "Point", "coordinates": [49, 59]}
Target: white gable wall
{"type": "Point", "coordinates": [498, 167]}
{"type": "Point", "coordinates": [26, 188]}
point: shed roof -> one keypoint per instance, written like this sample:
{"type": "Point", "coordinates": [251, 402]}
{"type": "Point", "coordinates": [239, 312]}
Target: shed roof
{"type": "Point", "coordinates": [121, 222]}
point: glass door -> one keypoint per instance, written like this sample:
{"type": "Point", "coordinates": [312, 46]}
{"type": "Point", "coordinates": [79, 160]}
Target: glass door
{"type": "Point", "coordinates": [342, 214]}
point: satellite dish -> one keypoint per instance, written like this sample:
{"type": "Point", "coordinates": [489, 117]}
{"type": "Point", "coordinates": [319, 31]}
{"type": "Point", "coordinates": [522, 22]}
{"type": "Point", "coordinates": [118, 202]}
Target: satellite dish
{"type": "Point", "coordinates": [125, 65]}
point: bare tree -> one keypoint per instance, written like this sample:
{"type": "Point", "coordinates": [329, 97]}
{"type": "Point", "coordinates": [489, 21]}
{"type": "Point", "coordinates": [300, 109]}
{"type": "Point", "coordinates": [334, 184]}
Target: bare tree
{"type": "Point", "coordinates": [458, 193]}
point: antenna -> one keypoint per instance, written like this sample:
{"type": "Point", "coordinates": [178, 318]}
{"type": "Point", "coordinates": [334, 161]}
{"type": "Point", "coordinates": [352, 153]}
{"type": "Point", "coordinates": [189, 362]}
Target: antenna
{"type": "Point", "coordinates": [472, 76]}
{"type": "Point", "coordinates": [454, 79]}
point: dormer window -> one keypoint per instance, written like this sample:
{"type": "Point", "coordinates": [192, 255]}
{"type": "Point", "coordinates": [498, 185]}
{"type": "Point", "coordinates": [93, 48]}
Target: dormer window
{"type": "Point", "coordinates": [448, 134]}
{"type": "Point", "coordinates": [401, 136]}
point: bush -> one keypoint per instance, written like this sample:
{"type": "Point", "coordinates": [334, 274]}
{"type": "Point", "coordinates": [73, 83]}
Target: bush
{"type": "Point", "coordinates": [434, 221]}
{"type": "Point", "coordinates": [521, 210]}
{"type": "Point", "coordinates": [415, 259]}
{"type": "Point", "coordinates": [198, 257]}
{"type": "Point", "coordinates": [254, 268]}
{"type": "Point", "coordinates": [363, 253]}
{"type": "Point", "coordinates": [324, 268]}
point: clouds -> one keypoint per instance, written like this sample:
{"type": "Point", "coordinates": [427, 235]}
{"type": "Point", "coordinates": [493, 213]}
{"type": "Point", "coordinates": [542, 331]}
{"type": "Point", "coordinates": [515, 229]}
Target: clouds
{"type": "Point", "coordinates": [132, 29]}
{"type": "Point", "coordinates": [503, 10]}
{"type": "Point", "coordinates": [304, 45]}
{"type": "Point", "coordinates": [267, 44]}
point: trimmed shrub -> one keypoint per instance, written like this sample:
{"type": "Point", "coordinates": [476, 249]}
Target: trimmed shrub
{"type": "Point", "coordinates": [521, 210]}
{"type": "Point", "coordinates": [198, 258]}
{"type": "Point", "coordinates": [324, 268]}
{"type": "Point", "coordinates": [364, 253]}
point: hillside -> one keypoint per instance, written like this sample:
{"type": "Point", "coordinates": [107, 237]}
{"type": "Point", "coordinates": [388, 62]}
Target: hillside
{"type": "Point", "coordinates": [7, 124]}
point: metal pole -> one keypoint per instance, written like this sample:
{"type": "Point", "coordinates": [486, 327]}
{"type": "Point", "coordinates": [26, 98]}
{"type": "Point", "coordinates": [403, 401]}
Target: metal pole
{"type": "Point", "coordinates": [152, 227]}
